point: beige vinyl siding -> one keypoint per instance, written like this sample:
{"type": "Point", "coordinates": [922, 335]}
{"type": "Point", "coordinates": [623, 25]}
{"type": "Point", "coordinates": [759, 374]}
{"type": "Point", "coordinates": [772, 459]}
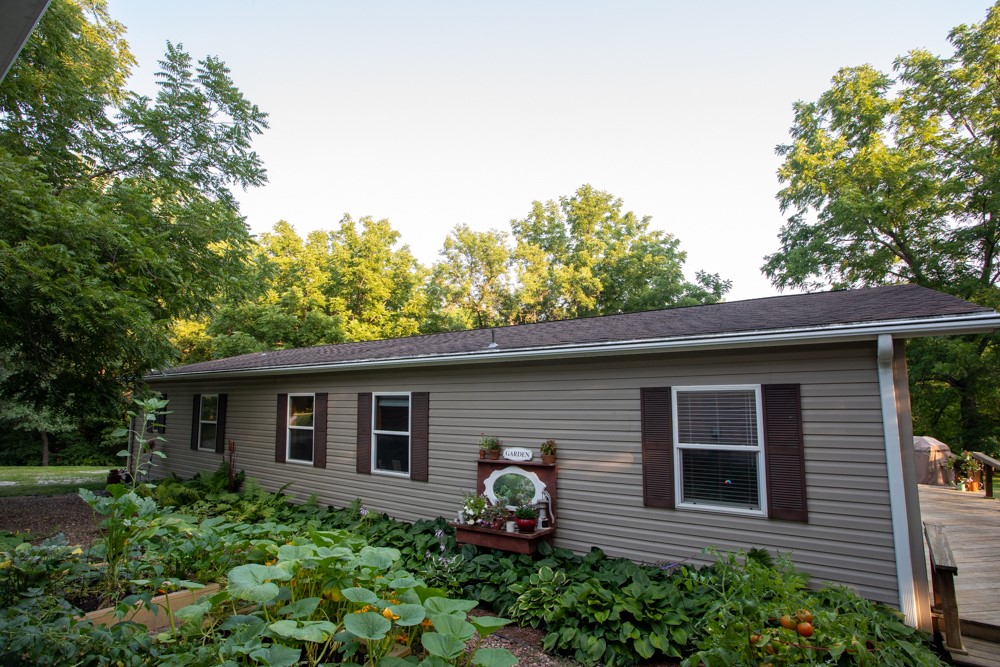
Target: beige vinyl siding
{"type": "Point", "coordinates": [591, 408]}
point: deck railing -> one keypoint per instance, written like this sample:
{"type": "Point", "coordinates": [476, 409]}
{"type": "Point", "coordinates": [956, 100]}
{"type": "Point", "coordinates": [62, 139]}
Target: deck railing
{"type": "Point", "coordinates": [990, 466]}
{"type": "Point", "coordinates": [943, 571]}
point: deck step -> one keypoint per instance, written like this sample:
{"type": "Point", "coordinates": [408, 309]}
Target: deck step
{"type": "Point", "coordinates": [981, 653]}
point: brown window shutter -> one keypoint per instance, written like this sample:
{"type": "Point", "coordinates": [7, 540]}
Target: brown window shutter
{"type": "Point", "coordinates": [364, 462]}
{"type": "Point", "coordinates": [319, 431]}
{"type": "Point", "coordinates": [195, 421]}
{"type": "Point", "coordinates": [281, 429]}
{"type": "Point", "coordinates": [657, 447]}
{"type": "Point", "coordinates": [220, 428]}
{"type": "Point", "coordinates": [784, 452]}
{"type": "Point", "coordinates": [419, 435]}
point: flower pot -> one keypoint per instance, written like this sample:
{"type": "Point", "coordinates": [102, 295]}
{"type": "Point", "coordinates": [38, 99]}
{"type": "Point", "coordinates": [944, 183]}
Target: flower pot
{"type": "Point", "coordinates": [526, 525]}
{"type": "Point", "coordinates": [494, 454]}
{"type": "Point", "coordinates": [548, 458]}
{"type": "Point", "coordinates": [482, 453]}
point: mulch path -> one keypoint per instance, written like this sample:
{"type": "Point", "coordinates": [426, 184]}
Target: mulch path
{"type": "Point", "coordinates": [45, 516]}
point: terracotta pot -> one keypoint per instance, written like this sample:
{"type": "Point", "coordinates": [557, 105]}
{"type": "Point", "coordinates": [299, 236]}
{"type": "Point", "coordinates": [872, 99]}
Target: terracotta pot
{"type": "Point", "coordinates": [482, 453]}
{"type": "Point", "coordinates": [526, 525]}
{"type": "Point", "coordinates": [548, 458]}
{"type": "Point", "coordinates": [494, 454]}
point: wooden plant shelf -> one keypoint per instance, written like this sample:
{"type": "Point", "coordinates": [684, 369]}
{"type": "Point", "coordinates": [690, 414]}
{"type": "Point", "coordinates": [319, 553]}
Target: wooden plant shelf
{"type": "Point", "coordinates": [521, 543]}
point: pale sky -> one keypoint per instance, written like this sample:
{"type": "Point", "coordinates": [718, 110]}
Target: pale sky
{"type": "Point", "coordinates": [435, 113]}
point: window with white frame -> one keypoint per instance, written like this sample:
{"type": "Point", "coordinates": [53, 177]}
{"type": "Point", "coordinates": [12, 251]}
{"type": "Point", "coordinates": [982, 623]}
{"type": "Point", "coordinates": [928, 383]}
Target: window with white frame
{"type": "Point", "coordinates": [300, 427]}
{"type": "Point", "coordinates": [208, 422]}
{"type": "Point", "coordinates": [391, 433]}
{"type": "Point", "coordinates": [719, 455]}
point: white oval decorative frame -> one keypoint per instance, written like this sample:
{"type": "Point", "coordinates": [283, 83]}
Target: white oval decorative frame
{"type": "Point", "coordinates": [515, 470]}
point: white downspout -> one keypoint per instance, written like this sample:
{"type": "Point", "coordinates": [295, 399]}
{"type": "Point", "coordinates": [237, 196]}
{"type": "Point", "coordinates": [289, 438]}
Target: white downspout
{"type": "Point", "coordinates": [897, 492]}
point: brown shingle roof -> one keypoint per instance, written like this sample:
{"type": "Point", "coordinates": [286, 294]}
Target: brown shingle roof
{"type": "Point", "coordinates": [802, 312]}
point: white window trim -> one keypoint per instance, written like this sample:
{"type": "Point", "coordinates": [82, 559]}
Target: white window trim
{"type": "Point", "coordinates": [409, 434]}
{"type": "Point", "coordinates": [759, 449]}
{"type": "Point", "coordinates": [202, 422]}
{"type": "Point", "coordinates": [289, 428]}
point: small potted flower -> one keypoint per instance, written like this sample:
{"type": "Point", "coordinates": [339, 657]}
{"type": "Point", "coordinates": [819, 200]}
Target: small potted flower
{"type": "Point", "coordinates": [493, 517]}
{"type": "Point", "coordinates": [490, 444]}
{"type": "Point", "coordinates": [473, 507]}
{"type": "Point", "coordinates": [526, 518]}
{"type": "Point", "coordinates": [548, 450]}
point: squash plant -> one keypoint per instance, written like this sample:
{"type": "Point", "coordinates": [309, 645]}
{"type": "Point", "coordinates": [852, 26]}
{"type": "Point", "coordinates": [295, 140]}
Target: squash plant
{"type": "Point", "coordinates": [325, 598]}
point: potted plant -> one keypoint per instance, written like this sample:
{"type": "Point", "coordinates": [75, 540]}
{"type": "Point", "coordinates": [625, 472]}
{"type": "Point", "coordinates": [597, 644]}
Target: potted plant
{"type": "Point", "coordinates": [490, 444]}
{"type": "Point", "coordinates": [548, 450]}
{"type": "Point", "coordinates": [493, 517]}
{"type": "Point", "coordinates": [526, 518]}
{"type": "Point", "coordinates": [473, 507]}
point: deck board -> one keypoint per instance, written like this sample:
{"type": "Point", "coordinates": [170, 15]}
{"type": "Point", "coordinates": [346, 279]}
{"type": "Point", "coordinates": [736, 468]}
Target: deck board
{"type": "Point", "coordinates": [972, 524]}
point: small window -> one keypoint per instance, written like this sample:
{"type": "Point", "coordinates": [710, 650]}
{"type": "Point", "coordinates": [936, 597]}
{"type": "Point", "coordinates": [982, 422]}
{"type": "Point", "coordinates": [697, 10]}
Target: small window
{"type": "Point", "coordinates": [391, 434]}
{"type": "Point", "coordinates": [208, 426]}
{"type": "Point", "coordinates": [719, 458]}
{"type": "Point", "coordinates": [300, 427]}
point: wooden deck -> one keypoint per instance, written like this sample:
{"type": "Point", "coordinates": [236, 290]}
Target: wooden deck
{"type": "Point", "coordinates": [972, 524]}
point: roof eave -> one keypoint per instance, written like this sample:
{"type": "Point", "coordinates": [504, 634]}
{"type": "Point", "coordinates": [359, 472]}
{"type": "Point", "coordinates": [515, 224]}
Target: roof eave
{"type": "Point", "coordinates": [910, 328]}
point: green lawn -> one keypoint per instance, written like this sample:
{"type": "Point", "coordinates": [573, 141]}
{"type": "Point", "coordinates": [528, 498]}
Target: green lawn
{"type": "Point", "coordinates": [50, 480]}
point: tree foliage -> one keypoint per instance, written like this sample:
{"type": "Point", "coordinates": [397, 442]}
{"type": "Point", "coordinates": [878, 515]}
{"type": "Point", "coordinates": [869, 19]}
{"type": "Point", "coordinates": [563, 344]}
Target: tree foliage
{"type": "Point", "coordinates": [584, 256]}
{"type": "Point", "coordinates": [895, 180]}
{"type": "Point", "coordinates": [471, 286]}
{"type": "Point", "coordinates": [354, 283]}
{"type": "Point", "coordinates": [116, 214]}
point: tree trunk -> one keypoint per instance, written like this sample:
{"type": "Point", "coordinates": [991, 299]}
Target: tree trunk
{"type": "Point", "coordinates": [972, 419]}
{"type": "Point", "coordinates": [45, 448]}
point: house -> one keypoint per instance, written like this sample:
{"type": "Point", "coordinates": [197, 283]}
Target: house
{"type": "Point", "coordinates": [781, 423]}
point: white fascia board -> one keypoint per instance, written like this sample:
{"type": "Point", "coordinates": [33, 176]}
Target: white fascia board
{"type": "Point", "coordinates": [951, 325]}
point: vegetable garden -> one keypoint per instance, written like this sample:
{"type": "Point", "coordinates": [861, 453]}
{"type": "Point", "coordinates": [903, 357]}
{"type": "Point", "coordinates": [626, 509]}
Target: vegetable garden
{"type": "Point", "coordinates": [308, 585]}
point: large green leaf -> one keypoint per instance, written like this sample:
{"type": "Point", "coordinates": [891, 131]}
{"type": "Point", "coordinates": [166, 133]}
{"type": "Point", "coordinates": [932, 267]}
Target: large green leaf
{"type": "Point", "coordinates": [254, 582]}
{"type": "Point", "coordinates": [295, 551]}
{"type": "Point", "coordinates": [487, 625]}
{"type": "Point", "coordinates": [305, 631]}
{"type": "Point", "coordinates": [493, 657]}
{"type": "Point", "coordinates": [454, 626]}
{"type": "Point", "coordinates": [380, 558]}
{"type": "Point", "coordinates": [193, 613]}
{"type": "Point", "coordinates": [367, 625]}
{"type": "Point", "coordinates": [300, 608]}
{"type": "Point", "coordinates": [360, 595]}
{"type": "Point", "coordinates": [441, 605]}
{"type": "Point", "coordinates": [409, 614]}
{"type": "Point", "coordinates": [277, 655]}
{"type": "Point", "coordinates": [401, 583]}
{"type": "Point", "coordinates": [443, 646]}
{"type": "Point", "coordinates": [643, 648]}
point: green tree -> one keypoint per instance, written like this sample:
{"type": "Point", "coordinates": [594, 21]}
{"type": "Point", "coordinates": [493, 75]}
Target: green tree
{"type": "Point", "coordinates": [289, 309]}
{"type": "Point", "coordinates": [471, 287]}
{"type": "Point", "coordinates": [376, 284]}
{"type": "Point", "coordinates": [116, 214]}
{"type": "Point", "coordinates": [895, 180]}
{"type": "Point", "coordinates": [585, 256]}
